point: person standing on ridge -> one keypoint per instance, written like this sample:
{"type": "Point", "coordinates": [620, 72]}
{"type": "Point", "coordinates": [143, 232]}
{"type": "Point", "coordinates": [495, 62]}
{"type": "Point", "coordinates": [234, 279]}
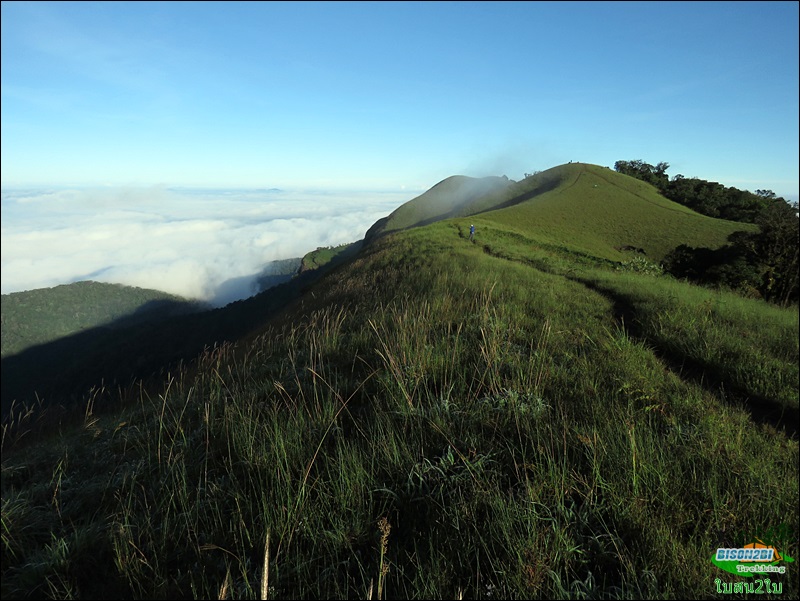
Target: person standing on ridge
{"type": "Point", "coordinates": [472, 233]}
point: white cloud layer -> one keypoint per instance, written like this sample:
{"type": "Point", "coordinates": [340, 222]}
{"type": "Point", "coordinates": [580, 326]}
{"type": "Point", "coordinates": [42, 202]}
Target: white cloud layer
{"type": "Point", "coordinates": [193, 243]}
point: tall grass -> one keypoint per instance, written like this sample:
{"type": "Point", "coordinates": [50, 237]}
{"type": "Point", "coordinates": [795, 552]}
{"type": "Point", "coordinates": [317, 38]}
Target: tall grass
{"type": "Point", "coordinates": [436, 422]}
{"type": "Point", "coordinates": [749, 347]}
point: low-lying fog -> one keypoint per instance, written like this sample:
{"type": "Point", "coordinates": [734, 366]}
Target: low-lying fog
{"type": "Point", "coordinates": [199, 244]}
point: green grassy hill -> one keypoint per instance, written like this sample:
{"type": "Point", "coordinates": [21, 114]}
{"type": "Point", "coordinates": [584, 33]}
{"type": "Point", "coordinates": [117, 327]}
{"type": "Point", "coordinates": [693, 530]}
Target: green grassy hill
{"type": "Point", "coordinates": [580, 208]}
{"type": "Point", "coordinates": [519, 417]}
{"type": "Point", "coordinates": [594, 211]}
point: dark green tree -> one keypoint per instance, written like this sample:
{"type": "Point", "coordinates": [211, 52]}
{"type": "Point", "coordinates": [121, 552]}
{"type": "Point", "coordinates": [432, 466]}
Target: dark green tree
{"type": "Point", "coordinates": [778, 246]}
{"type": "Point", "coordinates": [709, 198]}
{"type": "Point", "coordinates": [655, 175]}
{"type": "Point", "coordinates": [762, 263]}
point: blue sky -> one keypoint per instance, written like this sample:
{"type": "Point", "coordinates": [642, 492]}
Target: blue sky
{"type": "Point", "coordinates": [394, 96]}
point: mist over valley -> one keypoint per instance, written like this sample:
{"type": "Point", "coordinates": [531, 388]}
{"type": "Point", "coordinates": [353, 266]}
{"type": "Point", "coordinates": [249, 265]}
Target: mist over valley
{"type": "Point", "coordinates": [210, 245]}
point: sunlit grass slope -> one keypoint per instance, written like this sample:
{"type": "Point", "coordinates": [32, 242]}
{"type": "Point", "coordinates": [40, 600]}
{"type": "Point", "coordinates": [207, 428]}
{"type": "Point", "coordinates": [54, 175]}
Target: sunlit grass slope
{"type": "Point", "coordinates": [594, 210]}
{"type": "Point", "coordinates": [514, 418]}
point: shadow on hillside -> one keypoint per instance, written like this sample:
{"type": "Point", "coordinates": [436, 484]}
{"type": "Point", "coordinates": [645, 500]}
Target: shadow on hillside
{"type": "Point", "coordinates": [133, 348]}
{"type": "Point", "coordinates": [762, 410]}
{"type": "Point", "coordinates": [60, 370]}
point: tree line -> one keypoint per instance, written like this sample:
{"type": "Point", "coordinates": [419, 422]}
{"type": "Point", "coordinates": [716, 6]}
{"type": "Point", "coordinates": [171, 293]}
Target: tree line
{"type": "Point", "coordinates": [706, 197]}
{"type": "Point", "coordinates": [763, 263]}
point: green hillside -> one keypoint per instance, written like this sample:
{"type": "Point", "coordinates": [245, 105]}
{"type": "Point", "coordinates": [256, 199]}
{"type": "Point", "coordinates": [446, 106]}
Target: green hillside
{"type": "Point", "coordinates": [582, 208]}
{"type": "Point", "coordinates": [40, 316]}
{"type": "Point", "coordinates": [517, 417]}
{"type": "Point", "coordinates": [328, 256]}
{"type": "Point", "coordinates": [595, 211]}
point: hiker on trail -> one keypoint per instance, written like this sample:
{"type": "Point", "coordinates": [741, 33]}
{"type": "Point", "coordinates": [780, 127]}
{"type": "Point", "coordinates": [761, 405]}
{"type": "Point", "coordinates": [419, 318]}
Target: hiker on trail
{"type": "Point", "coordinates": [471, 233]}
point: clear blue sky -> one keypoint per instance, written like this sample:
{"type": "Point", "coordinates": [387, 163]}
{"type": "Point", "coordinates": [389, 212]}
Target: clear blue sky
{"type": "Point", "coordinates": [388, 95]}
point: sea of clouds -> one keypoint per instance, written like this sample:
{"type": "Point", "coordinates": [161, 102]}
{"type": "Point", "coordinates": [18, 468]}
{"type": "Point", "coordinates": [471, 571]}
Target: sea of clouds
{"type": "Point", "coordinates": [207, 245]}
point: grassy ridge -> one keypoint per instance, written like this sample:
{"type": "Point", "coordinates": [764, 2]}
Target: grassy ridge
{"type": "Point", "coordinates": [440, 419]}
